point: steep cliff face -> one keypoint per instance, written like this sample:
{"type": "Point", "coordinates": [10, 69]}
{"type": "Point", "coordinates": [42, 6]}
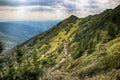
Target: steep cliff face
{"type": "Point", "coordinates": [74, 49]}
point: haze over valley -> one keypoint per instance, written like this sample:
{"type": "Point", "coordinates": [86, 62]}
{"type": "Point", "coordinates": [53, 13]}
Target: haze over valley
{"type": "Point", "coordinates": [15, 32]}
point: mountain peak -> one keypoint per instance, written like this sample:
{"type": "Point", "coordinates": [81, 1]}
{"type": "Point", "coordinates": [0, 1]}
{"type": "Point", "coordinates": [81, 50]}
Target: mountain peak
{"type": "Point", "coordinates": [73, 16]}
{"type": "Point", "coordinates": [70, 19]}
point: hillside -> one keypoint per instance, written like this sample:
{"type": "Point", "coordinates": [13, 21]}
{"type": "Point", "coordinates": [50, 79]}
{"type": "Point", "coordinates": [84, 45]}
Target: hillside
{"type": "Point", "coordinates": [16, 32]}
{"type": "Point", "coordinates": [75, 49]}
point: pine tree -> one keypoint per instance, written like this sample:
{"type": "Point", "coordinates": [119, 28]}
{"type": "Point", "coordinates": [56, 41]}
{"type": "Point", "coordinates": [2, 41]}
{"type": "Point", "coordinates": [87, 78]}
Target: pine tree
{"type": "Point", "coordinates": [1, 47]}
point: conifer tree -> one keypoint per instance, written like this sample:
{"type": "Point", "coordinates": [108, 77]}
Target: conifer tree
{"type": "Point", "coordinates": [1, 47]}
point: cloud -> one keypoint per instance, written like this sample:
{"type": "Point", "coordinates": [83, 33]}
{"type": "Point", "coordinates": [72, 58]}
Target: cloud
{"type": "Point", "coordinates": [52, 9]}
{"type": "Point", "coordinates": [32, 13]}
{"type": "Point", "coordinates": [26, 2]}
{"type": "Point", "coordinates": [25, 8]}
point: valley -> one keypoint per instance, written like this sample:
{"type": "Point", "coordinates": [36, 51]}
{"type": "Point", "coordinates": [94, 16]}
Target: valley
{"type": "Point", "coordinates": [15, 32]}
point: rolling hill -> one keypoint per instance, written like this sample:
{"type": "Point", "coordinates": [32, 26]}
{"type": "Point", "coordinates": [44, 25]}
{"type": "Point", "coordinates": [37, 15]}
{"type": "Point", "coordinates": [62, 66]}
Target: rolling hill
{"type": "Point", "coordinates": [74, 49]}
{"type": "Point", "coordinates": [16, 32]}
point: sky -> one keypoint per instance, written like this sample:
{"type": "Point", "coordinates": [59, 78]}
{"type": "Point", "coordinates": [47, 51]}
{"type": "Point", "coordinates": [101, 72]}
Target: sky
{"type": "Point", "coordinates": [52, 9]}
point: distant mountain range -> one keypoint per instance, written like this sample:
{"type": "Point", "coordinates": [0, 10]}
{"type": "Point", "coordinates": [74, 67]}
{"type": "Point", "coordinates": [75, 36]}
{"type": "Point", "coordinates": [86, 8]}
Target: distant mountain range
{"type": "Point", "coordinates": [16, 32]}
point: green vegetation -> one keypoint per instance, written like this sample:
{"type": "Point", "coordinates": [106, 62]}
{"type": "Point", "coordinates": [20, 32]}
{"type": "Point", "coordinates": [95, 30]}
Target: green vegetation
{"type": "Point", "coordinates": [1, 47]}
{"type": "Point", "coordinates": [75, 49]}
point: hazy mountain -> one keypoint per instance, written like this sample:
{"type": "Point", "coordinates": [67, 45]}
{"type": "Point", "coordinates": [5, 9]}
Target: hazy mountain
{"type": "Point", "coordinates": [74, 49]}
{"type": "Point", "coordinates": [15, 32]}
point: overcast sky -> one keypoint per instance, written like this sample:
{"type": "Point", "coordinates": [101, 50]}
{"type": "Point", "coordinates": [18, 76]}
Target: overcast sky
{"type": "Point", "coordinates": [52, 9]}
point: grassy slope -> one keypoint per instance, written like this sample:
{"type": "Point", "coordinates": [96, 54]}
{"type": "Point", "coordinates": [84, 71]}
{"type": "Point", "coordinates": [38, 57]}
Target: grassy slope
{"type": "Point", "coordinates": [94, 43]}
{"type": "Point", "coordinates": [88, 60]}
